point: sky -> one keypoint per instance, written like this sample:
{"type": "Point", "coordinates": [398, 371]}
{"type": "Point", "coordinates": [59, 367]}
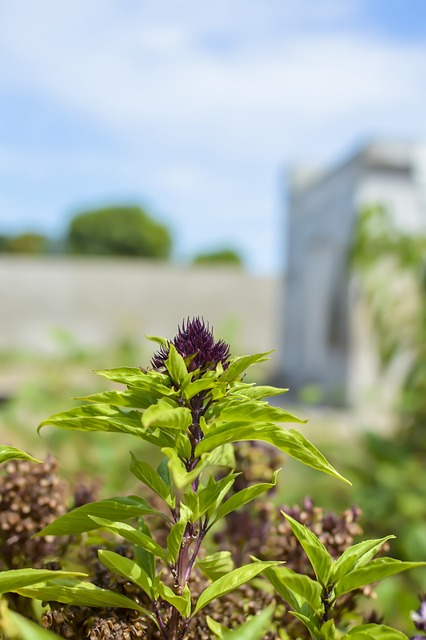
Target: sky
{"type": "Point", "coordinates": [197, 110]}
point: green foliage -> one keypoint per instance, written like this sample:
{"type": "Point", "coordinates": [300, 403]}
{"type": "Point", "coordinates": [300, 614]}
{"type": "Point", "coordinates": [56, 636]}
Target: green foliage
{"type": "Point", "coordinates": [318, 555]}
{"type": "Point", "coordinates": [12, 453]}
{"type": "Point", "coordinates": [81, 519]}
{"type": "Point", "coordinates": [216, 565]}
{"type": "Point", "coordinates": [313, 602]}
{"type": "Point", "coordinates": [119, 231]}
{"type": "Point", "coordinates": [253, 629]}
{"type": "Point", "coordinates": [132, 535]}
{"type": "Point", "coordinates": [192, 415]}
{"type": "Point", "coordinates": [390, 266]}
{"type": "Point", "coordinates": [129, 569]}
{"type": "Point", "coordinates": [230, 582]}
{"type": "Point", "coordinates": [30, 243]}
{"type": "Point", "coordinates": [191, 407]}
{"type": "Point", "coordinates": [383, 256]}
{"type": "Point", "coordinates": [374, 631]}
{"type": "Point", "coordinates": [244, 496]}
{"type": "Point", "coordinates": [79, 593]}
{"type": "Point", "coordinates": [225, 257]}
{"type": "Point", "coordinates": [230, 417]}
{"type": "Point", "coordinates": [17, 579]}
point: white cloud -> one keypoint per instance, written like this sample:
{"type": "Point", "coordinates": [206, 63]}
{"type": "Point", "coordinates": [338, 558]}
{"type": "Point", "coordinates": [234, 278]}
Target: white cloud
{"type": "Point", "coordinates": [206, 101]}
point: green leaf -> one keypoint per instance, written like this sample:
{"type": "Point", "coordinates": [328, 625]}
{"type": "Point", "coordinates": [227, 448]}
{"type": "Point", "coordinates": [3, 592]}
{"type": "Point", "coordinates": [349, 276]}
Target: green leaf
{"type": "Point", "coordinates": [181, 603]}
{"type": "Point", "coordinates": [102, 417]}
{"type": "Point", "coordinates": [146, 474]}
{"type": "Point", "coordinates": [216, 565]}
{"type": "Point", "coordinates": [256, 392]}
{"type": "Point", "coordinates": [285, 580]}
{"type": "Point", "coordinates": [294, 599]}
{"type": "Point", "coordinates": [29, 630]}
{"type": "Point", "coordinates": [164, 473]}
{"type": "Point", "coordinates": [372, 572]}
{"type": "Point", "coordinates": [174, 539]}
{"type": "Point", "coordinates": [149, 381]}
{"type": "Point", "coordinates": [142, 557]}
{"type": "Point", "coordinates": [240, 364]}
{"type": "Point", "coordinates": [212, 495]}
{"type": "Point", "coordinates": [371, 631]}
{"type": "Point", "coordinates": [128, 569]}
{"type": "Point", "coordinates": [356, 556]}
{"type": "Point", "coordinates": [159, 340]}
{"type": "Point", "coordinates": [11, 453]}
{"type": "Point", "coordinates": [163, 414]}
{"type": "Point", "coordinates": [310, 623]}
{"type": "Point", "coordinates": [328, 630]}
{"type": "Point", "coordinates": [216, 628]}
{"type": "Point", "coordinates": [244, 496]}
{"type": "Point", "coordinates": [244, 409]}
{"type": "Point", "coordinates": [18, 578]}
{"type": "Point", "coordinates": [132, 535]}
{"type": "Point", "coordinates": [181, 476]}
{"type": "Point", "coordinates": [290, 441]}
{"type": "Point", "coordinates": [253, 629]}
{"type": "Point", "coordinates": [81, 594]}
{"type": "Point", "coordinates": [175, 365]}
{"type": "Point", "coordinates": [303, 610]}
{"type": "Point", "coordinates": [115, 509]}
{"type": "Point", "coordinates": [223, 456]}
{"type": "Point", "coordinates": [133, 399]}
{"type": "Point", "coordinates": [182, 445]}
{"type": "Point", "coordinates": [231, 581]}
{"type": "Point", "coordinates": [202, 384]}
{"type": "Point", "coordinates": [190, 499]}
{"type": "Point", "coordinates": [318, 555]}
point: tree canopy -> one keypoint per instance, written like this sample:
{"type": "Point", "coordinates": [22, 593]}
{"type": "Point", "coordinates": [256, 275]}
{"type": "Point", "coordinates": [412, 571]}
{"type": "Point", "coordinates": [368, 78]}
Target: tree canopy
{"type": "Point", "coordinates": [227, 257]}
{"type": "Point", "coordinates": [28, 242]}
{"type": "Point", "coordinates": [120, 231]}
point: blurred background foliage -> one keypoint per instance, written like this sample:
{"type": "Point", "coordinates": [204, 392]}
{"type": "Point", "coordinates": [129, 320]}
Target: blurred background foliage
{"type": "Point", "coordinates": [47, 385]}
{"type": "Point", "coordinates": [387, 468]}
{"type": "Point", "coordinates": [391, 267]}
{"type": "Point", "coordinates": [31, 243]}
{"type": "Point", "coordinates": [121, 230]}
{"type": "Point", "coordinates": [226, 256]}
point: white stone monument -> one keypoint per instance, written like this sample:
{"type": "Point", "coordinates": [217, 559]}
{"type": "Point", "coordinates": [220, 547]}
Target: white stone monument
{"type": "Point", "coordinates": [327, 340]}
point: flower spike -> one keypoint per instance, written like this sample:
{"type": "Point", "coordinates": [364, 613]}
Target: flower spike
{"type": "Point", "coordinates": [195, 341]}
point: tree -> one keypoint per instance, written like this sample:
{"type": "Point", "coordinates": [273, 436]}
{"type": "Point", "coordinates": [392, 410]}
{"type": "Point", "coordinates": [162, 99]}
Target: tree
{"type": "Point", "coordinates": [227, 257]}
{"type": "Point", "coordinates": [119, 231]}
{"type": "Point", "coordinates": [33, 243]}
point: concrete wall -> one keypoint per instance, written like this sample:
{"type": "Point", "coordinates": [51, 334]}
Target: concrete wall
{"type": "Point", "coordinates": [99, 300]}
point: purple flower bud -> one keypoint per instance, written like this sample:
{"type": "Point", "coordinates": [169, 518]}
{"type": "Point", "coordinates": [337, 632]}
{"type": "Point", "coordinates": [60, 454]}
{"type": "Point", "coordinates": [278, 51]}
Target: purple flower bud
{"type": "Point", "coordinates": [196, 342]}
{"type": "Point", "coordinates": [419, 616]}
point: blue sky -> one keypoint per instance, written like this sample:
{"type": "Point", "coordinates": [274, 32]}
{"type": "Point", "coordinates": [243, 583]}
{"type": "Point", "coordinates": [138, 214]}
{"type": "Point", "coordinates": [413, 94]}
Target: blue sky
{"type": "Point", "coordinates": [196, 110]}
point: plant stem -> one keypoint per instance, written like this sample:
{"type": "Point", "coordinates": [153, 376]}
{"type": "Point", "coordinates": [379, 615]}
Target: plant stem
{"type": "Point", "coordinates": [195, 553]}
{"type": "Point", "coordinates": [160, 622]}
{"type": "Point", "coordinates": [184, 564]}
{"type": "Point", "coordinates": [181, 570]}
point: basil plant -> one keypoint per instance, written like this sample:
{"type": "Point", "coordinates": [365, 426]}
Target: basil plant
{"type": "Point", "coordinates": [193, 404]}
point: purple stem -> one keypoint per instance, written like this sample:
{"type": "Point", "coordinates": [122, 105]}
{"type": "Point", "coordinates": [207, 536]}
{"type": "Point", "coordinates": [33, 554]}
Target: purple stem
{"type": "Point", "coordinates": [160, 622]}
{"type": "Point", "coordinates": [194, 555]}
